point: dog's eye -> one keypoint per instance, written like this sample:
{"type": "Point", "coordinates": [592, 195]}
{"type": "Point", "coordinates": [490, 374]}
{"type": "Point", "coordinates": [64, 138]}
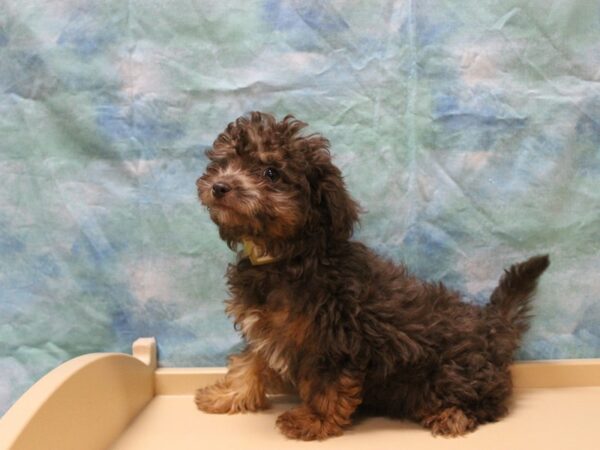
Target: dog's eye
{"type": "Point", "coordinates": [271, 173]}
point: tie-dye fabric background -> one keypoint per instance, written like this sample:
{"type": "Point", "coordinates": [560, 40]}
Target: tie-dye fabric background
{"type": "Point", "coordinates": [469, 131]}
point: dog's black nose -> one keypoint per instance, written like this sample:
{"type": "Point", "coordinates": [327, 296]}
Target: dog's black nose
{"type": "Point", "coordinates": [220, 189]}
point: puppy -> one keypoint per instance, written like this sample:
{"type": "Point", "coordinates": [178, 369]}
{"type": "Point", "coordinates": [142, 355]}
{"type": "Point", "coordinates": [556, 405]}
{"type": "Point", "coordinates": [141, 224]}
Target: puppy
{"type": "Point", "coordinates": [326, 315]}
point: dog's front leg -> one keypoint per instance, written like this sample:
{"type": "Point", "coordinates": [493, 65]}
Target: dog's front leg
{"type": "Point", "coordinates": [243, 388]}
{"type": "Point", "coordinates": [327, 405]}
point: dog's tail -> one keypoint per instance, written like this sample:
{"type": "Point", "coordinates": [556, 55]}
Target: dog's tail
{"type": "Point", "coordinates": [508, 311]}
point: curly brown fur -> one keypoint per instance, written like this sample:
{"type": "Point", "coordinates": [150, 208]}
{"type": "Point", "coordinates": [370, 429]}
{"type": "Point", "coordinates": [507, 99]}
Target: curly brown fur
{"type": "Point", "coordinates": [329, 316]}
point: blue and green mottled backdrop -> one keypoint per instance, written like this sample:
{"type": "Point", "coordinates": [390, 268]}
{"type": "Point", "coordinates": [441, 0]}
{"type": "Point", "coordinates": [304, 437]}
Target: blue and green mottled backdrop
{"type": "Point", "coordinates": [469, 131]}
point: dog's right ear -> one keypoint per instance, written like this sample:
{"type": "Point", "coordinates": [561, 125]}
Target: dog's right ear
{"type": "Point", "coordinates": [337, 210]}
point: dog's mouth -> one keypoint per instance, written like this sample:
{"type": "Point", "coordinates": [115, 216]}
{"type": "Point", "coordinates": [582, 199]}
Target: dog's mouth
{"type": "Point", "coordinates": [219, 207]}
{"type": "Point", "coordinates": [223, 208]}
{"type": "Point", "coordinates": [230, 204]}
{"type": "Point", "coordinates": [228, 213]}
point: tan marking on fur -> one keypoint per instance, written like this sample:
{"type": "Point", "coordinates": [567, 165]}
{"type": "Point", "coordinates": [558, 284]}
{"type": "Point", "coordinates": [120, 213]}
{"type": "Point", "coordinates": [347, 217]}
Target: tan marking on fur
{"type": "Point", "coordinates": [236, 310]}
{"type": "Point", "coordinates": [302, 423]}
{"type": "Point", "coordinates": [273, 351]}
{"type": "Point", "coordinates": [291, 334]}
{"type": "Point", "coordinates": [451, 422]}
{"type": "Point", "coordinates": [239, 179]}
{"type": "Point", "coordinates": [256, 138]}
{"type": "Point", "coordinates": [276, 359]}
{"type": "Point", "coordinates": [257, 328]}
{"type": "Point", "coordinates": [276, 384]}
{"type": "Point", "coordinates": [267, 158]}
{"type": "Point", "coordinates": [294, 328]}
{"type": "Point", "coordinates": [279, 318]}
{"type": "Point", "coordinates": [249, 321]}
{"type": "Point", "coordinates": [284, 206]}
{"type": "Point", "coordinates": [223, 147]}
{"type": "Point", "coordinates": [232, 171]}
{"type": "Point", "coordinates": [241, 390]}
{"type": "Point", "coordinates": [232, 218]}
{"type": "Point", "coordinates": [204, 187]}
{"type": "Point", "coordinates": [272, 334]}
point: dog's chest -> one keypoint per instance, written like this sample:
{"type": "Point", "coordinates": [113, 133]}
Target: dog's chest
{"type": "Point", "coordinates": [265, 340]}
{"type": "Point", "coordinates": [273, 332]}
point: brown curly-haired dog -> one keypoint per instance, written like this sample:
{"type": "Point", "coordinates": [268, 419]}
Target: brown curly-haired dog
{"type": "Point", "coordinates": [328, 316]}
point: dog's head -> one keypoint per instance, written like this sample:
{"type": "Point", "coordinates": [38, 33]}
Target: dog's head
{"type": "Point", "coordinates": [267, 182]}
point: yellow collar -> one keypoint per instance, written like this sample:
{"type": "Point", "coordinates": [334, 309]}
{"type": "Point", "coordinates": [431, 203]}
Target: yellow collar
{"type": "Point", "coordinates": [257, 255]}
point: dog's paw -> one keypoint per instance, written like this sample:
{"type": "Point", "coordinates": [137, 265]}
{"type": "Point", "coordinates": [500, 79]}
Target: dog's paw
{"type": "Point", "coordinates": [450, 422]}
{"type": "Point", "coordinates": [215, 399]}
{"type": "Point", "coordinates": [221, 399]}
{"type": "Point", "coordinates": [301, 423]}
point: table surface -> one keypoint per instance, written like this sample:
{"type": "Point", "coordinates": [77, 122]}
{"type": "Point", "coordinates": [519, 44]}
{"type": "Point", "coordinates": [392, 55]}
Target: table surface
{"type": "Point", "coordinates": [550, 418]}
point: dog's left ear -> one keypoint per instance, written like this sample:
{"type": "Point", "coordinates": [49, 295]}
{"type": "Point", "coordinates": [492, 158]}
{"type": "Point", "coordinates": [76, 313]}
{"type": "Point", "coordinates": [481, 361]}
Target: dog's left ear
{"type": "Point", "coordinates": [338, 211]}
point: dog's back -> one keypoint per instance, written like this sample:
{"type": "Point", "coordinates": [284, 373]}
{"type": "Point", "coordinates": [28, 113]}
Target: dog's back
{"type": "Point", "coordinates": [449, 354]}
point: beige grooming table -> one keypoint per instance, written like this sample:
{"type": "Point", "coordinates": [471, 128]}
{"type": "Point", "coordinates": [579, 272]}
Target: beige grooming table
{"type": "Point", "coordinates": [122, 402]}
